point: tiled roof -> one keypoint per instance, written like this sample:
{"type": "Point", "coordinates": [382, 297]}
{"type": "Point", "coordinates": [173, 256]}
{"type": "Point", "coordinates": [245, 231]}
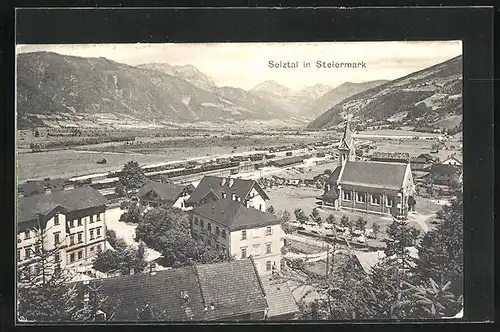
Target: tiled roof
{"type": "Point", "coordinates": [71, 200]}
{"type": "Point", "coordinates": [426, 156]}
{"type": "Point", "coordinates": [374, 174]}
{"type": "Point", "coordinates": [166, 191]}
{"type": "Point", "coordinates": [418, 160]}
{"type": "Point", "coordinates": [233, 287]}
{"type": "Point", "coordinates": [240, 187]}
{"type": "Point", "coordinates": [235, 215]}
{"type": "Point", "coordinates": [288, 161]}
{"type": "Point", "coordinates": [279, 297]}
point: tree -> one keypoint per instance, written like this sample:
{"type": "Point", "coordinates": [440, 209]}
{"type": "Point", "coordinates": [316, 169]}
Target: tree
{"type": "Point", "coordinates": [316, 217]}
{"type": "Point", "coordinates": [43, 293]}
{"type": "Point", "coordinates": [344, 222]}
{"type": "Point", "coordinates": [441, 249]}
{"type": "Point", "coordinates": [167, 231]}
{"type": "Point", "coordinates": [123, 259]}
{"type": "Point", "coordinates": [133, 213]}
{"type": "Point", "coordinates": [285, 222]}
{"type": "Point", "coordinates": [331, 219]}
{"type": "Point", "coordinates": [300, 216]}
{"type": "Point", "coordinates": [376, 229]}
{"type": "Point", "coordinates": [361, 223]}
{"type": "Point", "coordinates": [270, 209]}
{"type": "Point", "coordinates": [435, 300]}
{"type": "Point", "coordinates": [131, 178]}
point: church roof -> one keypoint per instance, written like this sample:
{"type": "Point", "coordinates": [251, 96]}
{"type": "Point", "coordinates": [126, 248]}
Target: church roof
{"type": "Point", "coordinates": [374, 174]}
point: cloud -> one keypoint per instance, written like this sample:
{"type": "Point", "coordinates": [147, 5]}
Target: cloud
{"type": "Point", "coordinates": [246, 64]}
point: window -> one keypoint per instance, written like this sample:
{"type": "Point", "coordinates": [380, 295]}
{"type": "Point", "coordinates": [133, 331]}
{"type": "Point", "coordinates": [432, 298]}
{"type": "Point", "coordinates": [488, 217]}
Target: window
{"type": "Point", "coordinates": [243, 235]}
{"type": "Point", "coordinates": [268, 248]}
{"type": "Point", "coordinates": [233, 197]}
{"type": "Point", "coordinates": [27, 234]}
{"type": "Point", "coordinates": [57, 257]}
{"type": "Point", "coordinates": [72, 257]}
{"type": "Point", "coordinates": [376, 199]}
{"type": "Point", "coordinates": [268, 266]}
{"type": "Point", "coordinates": [260, 207]}
{"type": "Point", "coordinates": [202, 223]}
{"type": "Point", "coordinates": [56, 219]}
{"type": "Point", "coordinates": [92, 249]}
{"type": "Point", "coordinates": [27, 253]}
{"type": "Point", "coordinates": [360, 197]}
{"type": "Point", "coordinates": [217, 230]}
{"type": "Point", "coordinates": [99, 216]}
{"type": "Point", "coordinates": [243, 252]}
{"type": "Point", "coordinates": [71, 223]}
{"type": "Point", "coordinates": [98, 231]}
{"type": "Point", "coordinates": [80, 237]}
{"type": "Point", "coordinates": [79, 221]}
{"type": "Point", "coordinates": [256, 250]}
{"type": "Point", "coordinates": [223, 233]}
{"type": "Point", "coordinates": [209, 227]}
{"type": "Point", "coordinates": [91, 218]}
{"type": "Point", "coordinates": [269, 231]}
{"type": "Point", "coordinates": [224, 195]}
{"type": "Point", "coordinates": [56, 238]}
{"type": "Point", "coordinates": [91, 234]}
{"type": "Point", "coordinates": [80, 254]}
{"type": "Point", "coordinates": [390, 201]}
{"type": "Point", "coordinates": [72, 239]}
{"type": "Point", "coordinates": [346, 195]}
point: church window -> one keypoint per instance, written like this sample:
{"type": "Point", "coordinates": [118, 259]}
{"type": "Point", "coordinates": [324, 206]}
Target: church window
{"type": "Point", "coordinates": [376, 199]}
{"type": "Point", "coordinates": [361, 198]}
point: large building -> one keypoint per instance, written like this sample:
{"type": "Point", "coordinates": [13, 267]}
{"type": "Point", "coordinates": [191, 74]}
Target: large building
{"type": "Point", "coordinates": [241, 231]}
{"type": "Point", "coordinates": [72, 221]}
{"type": "Point", "coordinates": [369, 186]}
{"type": "Point", "coordinates": [214, 188]}
{"type": "Point", "coordinates": [229, 291]}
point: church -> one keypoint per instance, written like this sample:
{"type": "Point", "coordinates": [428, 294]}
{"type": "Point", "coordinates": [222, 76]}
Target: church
{"type": "Point", "coordinates": [369, 186]}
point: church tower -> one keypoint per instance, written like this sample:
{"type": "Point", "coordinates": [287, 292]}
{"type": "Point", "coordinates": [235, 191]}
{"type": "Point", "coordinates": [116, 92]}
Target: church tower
{"type": "Point", "coordinates": [346, 149]}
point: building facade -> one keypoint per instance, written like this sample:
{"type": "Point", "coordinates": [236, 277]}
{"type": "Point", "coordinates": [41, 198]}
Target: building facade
{"type": "Point", "coordinates": [70, 224]}
{"type": "Point", "coordinates": [369, 186]}
{"type": "Point", "coordinates": [213, 188]}
{"type": "Point", "coordinates": [241, 231]}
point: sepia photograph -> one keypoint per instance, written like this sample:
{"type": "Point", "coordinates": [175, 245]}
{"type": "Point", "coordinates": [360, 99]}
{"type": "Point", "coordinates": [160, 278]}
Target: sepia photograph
{"type": "Point", "coordinates": [233, 182]}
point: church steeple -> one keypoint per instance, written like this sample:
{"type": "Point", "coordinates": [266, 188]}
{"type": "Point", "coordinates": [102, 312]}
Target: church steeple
{"type": "Point", "coordinates": [346, 147]}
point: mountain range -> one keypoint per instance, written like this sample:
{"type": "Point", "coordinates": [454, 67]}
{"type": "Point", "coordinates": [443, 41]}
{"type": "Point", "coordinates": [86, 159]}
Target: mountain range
{"type": "Point", "coordinates": [432, 96]}
{"type": "Point", "coordinates": [61, 90]}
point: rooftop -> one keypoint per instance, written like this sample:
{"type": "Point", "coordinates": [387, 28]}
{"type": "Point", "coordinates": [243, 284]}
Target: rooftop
{"type": "Point", "coordinates": [374, 174]}
{"type": "Point", "coordinates": [235, 215]}
{"type": "Point", "coordinates": [279, 297]}
{"type": "Point", "coordinates": [288, 161]}
{"type": "Point", "coordinates": [233, 288]}
{"type": "Point", "coordinates": [165, 191]}
{"type": "Point", "coordinates": [230, 186]}
{"type": "Point", "coordinates": [71, 200]}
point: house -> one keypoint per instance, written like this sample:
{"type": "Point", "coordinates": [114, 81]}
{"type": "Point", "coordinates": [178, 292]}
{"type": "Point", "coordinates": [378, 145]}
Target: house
{"type": "Point", "coordinates": [419, 164]}
{"type": "Point", "coordinates": [42, 186]}
{"type": "Point", "coordinates": [287, 161]}
{"type": "Point", "coordinates": [445, 174]}
{"type": "Point", "coordinates": [73, 221]}
{"type": "Point", "coordinates": [213, 188]}
{"type": "Point", "coordinates": [158, 194]}
{"type": "Point", "coordinates": [453, 160]}
{"type": "Point", "coordinates": [280, 300]}
{"type": "Point", "coordinates": [229, 291]}
{"type": "Point", "coordinates": [368, 186]}
{"type": "Point", "coordinates": [395, 157]}
{"type": "Point", "coordinates": [241, 231]}
{"type": "Point", "coordinates": [428, 158]}
{"type": "Point", "coordinates": [367, 260]}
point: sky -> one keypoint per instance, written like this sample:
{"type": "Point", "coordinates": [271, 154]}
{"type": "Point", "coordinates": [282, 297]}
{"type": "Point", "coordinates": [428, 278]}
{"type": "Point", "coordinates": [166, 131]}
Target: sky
{"type": "Point", "coordinates": [245, 65]}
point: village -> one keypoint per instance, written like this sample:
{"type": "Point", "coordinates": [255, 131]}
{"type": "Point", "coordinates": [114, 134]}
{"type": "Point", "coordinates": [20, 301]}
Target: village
{"type": "Point", "coordinates": [246, 237]}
